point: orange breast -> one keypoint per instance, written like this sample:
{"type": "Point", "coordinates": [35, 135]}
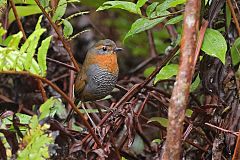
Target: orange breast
{"type": "Point", "coordinates": [105, 61]}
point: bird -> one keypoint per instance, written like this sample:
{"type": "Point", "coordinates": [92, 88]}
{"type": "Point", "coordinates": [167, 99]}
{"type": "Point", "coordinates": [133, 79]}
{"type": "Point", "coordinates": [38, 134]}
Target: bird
{"type": "Point", "coordinates": [99, 72]}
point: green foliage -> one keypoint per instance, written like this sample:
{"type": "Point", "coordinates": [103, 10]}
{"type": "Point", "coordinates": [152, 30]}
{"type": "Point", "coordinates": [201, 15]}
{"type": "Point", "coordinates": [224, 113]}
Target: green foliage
{"type": "Point", "coordinates": [195, 84]}
{"type": "Point", "coordinates": [160, 120]}
{"type": "Point", "coordinates": [214, 44]}
{"type": "Point", "coordinates": [140, 3]}
{"type": "Point", "coordinates": [166, 72]}
{"type": "Point", "coordinates": [148, 71]}
{"type": "Point", "coordinates": [189, 113]}
{"type": "Point", "coordinates": [169, 4]}
{"type": "Point", "coordinates": [24, 11]}
{"type": "Point", "coordinates": [68, 29]}
{"type": "Point", "coordinates": [44, 3]}
{"type": "Point", "coordinates": [36, 141]}
{"type": "Point", "coordinates": [51, 107]}
{"type": "Point", "coordinates": [151, 8]}
{"type": "Point", "coordinates": [37, 138]}
{"type": "Point", "coordinates": [158, 141]}
{"type": "Point", "coordinates": [42, 55]}
{"type": "Point", "coordinates": [13, 58]}
{"type": "Point", "coordinates": [60, 11]}
{"type": "Point", "coordinates": [228, 16]}
{"type": "Point", "coordinates": [235, 51]}
{"type": "Point", "coordinates": [155, 12]}
{"type": "Point", "coordinates": [143, 24]}
{"type": "Point", "coordinates": [128, 6]}
{"type": "Point", "coordinates": [175, 20]}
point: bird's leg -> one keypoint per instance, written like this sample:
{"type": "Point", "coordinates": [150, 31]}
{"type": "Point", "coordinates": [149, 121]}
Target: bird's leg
{"type": "Point", "coordinates": [96, 128]}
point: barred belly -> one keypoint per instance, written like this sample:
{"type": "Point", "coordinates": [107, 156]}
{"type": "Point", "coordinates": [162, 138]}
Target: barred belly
{"type": "Point", "coordinates": [99, 84]}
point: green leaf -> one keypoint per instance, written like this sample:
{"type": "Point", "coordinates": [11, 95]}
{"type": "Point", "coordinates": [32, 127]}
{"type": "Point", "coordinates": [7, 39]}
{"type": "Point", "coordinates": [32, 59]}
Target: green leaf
{"type": "Point", "coordinates": [30, 46]}
{"type": "Point", "coordinates": [157, 14]}
{"type": "Point", "coordinates": [235, 51]}
{"type": "Point", "coordinates": [24, 2]}
{"type": "Point", "coordinates": [38, 25]}
{"type": "Point", "coordinates": [175, 20]}
{"type": "Point", "coordinates": [147, 72]}
{"type": "Point", "coordinates": [42, 55]}
{"type": "Point", "coordinates": [166, 72]}
{"type": "Point", "coordinates": [36, 142]}
{"type": "Point", "coordinates": [189, 113]}
{"type": "Point", "coordinates": [228, 16]}
{"type": "Point", "coordinates": [44, 3]}
{"type": "Point", "coordinates": [140, 3]}
{"type": "Point", "coordinates": [24, 118]}
{"type": "Point", "coordinates": [160, 120]}
{"type": "Point", "coordinates": [68, 29]}
{"type": "Point", "coordinates": [151, 8]}
{"type": "Point", "coordinates": [24, 11]}
{"type": "Point", "coordinates": [195, 84]}
{"type": "Point", "coordinates": [34, 122]}
{"type": "Point", "coordinates": [128, 6]}
{"type": "Point", "coordinates": [168, 4]}
{"type": "Point", "coordinates": [15, 39]}
{"type": "Point", "coordinates": [49, 108]}
{"type": "Point", "coordinates": [2, 30]}
{"type": "Point", "coordinates": [141, 25]}
{"type": "Point", "coordinates": [174, 3]}
{"type": "Point", "coordinates": [60, 11]}
{"type": "Point", "coordinates": [214, 44]}
{"type": "Point", "coordinates": [158, 141]}
{"type": "Point", "coordinates": [206, 1]}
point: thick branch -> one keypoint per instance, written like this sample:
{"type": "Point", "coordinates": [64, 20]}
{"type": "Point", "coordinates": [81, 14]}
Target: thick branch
{"type": "Point", "coordinates": [180, 94]}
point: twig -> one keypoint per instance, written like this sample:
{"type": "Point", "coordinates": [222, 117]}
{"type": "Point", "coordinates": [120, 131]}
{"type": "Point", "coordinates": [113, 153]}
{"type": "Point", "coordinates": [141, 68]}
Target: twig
{"type": "Point", "coordinates": [42, 90]}
{"type": "Point", "coordinates": [78, 34]}
{"type": "Point", "coordinates": [61, 63]}
{"type": "Point", "coordinates": [18, 20]}
{"type": "Point", "coordinates": [85, 122]}
{"type": "Point", "coordinates": [141, 65]}
{"type": "Point", "coordinates": [65, 44]}
{"type": "Point", "coordinates": [169, 15]}
{"type": "Point", "coordinates": [234, 16]}
{"type": "Point", "coordinates": [221, 129]}
{"type": "Point", "coordinates": [142, 106]}
{"type": "Point", "coordinates": [70, 93]}
{"type": "Point", "coordinates": [180, 93]}
{"type": "Point", "coordinates": [236, 155]}
{"type": "Point", "coordinates": [153, 51]}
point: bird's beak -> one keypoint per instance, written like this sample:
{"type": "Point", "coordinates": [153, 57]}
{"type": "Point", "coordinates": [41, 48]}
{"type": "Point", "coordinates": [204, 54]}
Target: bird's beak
{"type": "Point", "coordinates": [117, 49]}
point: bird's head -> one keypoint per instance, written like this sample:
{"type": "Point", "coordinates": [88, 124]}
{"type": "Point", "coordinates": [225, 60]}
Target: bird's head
{"type": "Point", "coordinates": [104, 47]}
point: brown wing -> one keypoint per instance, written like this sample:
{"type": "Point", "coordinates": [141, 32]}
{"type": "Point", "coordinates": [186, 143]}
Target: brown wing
{"type": "Point", "coordinates": [80, 83]}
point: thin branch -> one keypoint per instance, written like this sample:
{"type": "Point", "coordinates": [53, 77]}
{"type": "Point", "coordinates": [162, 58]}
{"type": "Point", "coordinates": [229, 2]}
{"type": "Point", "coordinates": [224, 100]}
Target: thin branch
{"type": "Point", "coordinates": [74, 107]}
{"type": "Point", "coordinates": [42, 90]}
{"type": "Point", "coordinates": [153, 51]}
{"type": "Point", "coordinates": [234, 16]}
{"type": "Point", "coordinates": [65, 44]}
{"type": "Point", "coordinates": [221, 129]}
{"type": "Point", "coordinates": [18, 20]}
{"type": "Point", "coordinates": [236, 154]}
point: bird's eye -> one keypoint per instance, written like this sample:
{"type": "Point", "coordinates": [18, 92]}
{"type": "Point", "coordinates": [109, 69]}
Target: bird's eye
{"type": "Point", "coordinates": [104, 48]}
